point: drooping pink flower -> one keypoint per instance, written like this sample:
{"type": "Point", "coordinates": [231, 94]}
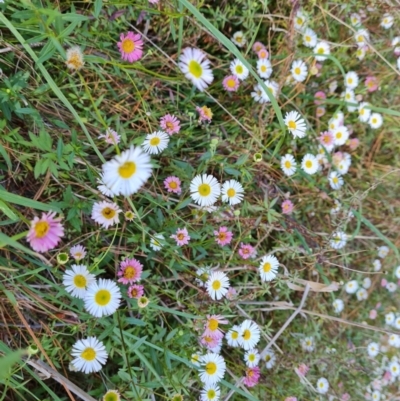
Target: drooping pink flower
{"type": "Point", "coordinates": [303, 369]}
{"type": "Point", "coordinates": [231, 294]}
{"type": "Point", "coordinates": [45, 233]}
{"type": "Point", "coordinates": [212, 326]}
{"type": "Point", "coordinates": [252, 376]}
{"type": "Point", "coordinates": [154, 1]}
{"type": "Point", "coordinates": [373, 314]}
{"type": "Point", "coordinates": [263, 53]}
{"type": "Point", "coordinates": [371, 83]}
{"type": "Point", "coordinates": [353, 143]}
{"type": "Point", "coordinates": [205, 113]}
{"type": "Point", "coordinates": [387, 376]}
{"type": "Point", "coordinates": [173, 184]}
{"type": "Point", "coordinates": [384, 282]}
{"type": "Point", "coordinates": [320, 111]}
{"type": "Point", "coordinates": [111, 137]}
{"type": "Point", "coordinates": [291, 399]}
{"type": "Point", "coordinates": [257, 46]}
{"type": "Point", "coordinates": [181, 237]}
{"type": "Point", "coordinates": [170, 124]}
{"type": "Point", "coordinates": [130, 270]}
{"type": "Point", "coordinates": [247, 251]}
{"type": "Point", "coordinates": [78, 252]}
{"type": "Point", "coordinates": [135, 291]}
{"type": "Point", "coordinates": [223, 236]}
{"type": "Point", "coordinates": [319, 97]}
{"type": "Point", "coordinates": [287, 207]}
{"type": "Point", "coordinates": [326, 139]}
{"type": "Point", "coordinates": [345, 397]}
{"type": "Point", "coordinates": [131, 47]}
{"type": "Point", "coordinates": [231, 83]}
{"type": "Point", "coordinates": [397, 51]}
{"type": "Point", "coordinates": [209, 341]}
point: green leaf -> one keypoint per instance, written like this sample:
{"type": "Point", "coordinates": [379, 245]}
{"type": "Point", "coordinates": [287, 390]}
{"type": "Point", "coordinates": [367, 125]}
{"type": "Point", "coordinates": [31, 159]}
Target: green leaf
{"type": "Point", "coordinates": [7, 211]}
{"type": "Point", "coordinates": [20, 200]}
{"type": "Point", "coordinates": [98, 4]}
{"type": "Point", "coordinates": [7, 362]}
{"type": "Point", "coordinates": [4, 153]}
{"type": "Point", "coordinates": [183, 204]}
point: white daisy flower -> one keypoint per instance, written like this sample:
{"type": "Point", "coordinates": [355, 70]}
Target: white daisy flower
{"type": "Point", "coordinates": [299, 70]}
{"type": "Point", "coordinates": [360, 53]}
{"type": "Point", "coordinates": [310, 164]}
{"type": "Point", "coordinates": [364, 112]}
{"type": "Point", "coordinates": [217, 285]}
{"type": "Point", "coordinates": [77, 280]}
{"type": "Point", "coordinates": [251, 358]}
{"type": "Point", "coordinates": [321, 49]}
{"type": "Point", "coordinates": [203, 274]}
{"type": "Point", "coordinates": [336, 208]}
{"type": "Point", "coordinates": [383, 251]}
{"type": "Point", "coordinates": [338, 240]}
{"type": "Point", "coordinates": [156, 142]}
{"type": "Point", "coordinates": [195, 359]}
{"type": "Point", "coordinates": [333, 86]}
{"type": "Point", "coordinates": [127, 172]}
{"type": "Point", "coordinates": [391, 287]}
{"type": "Point", "coordinates": [232, 192]}
{"type": "Point", "coordinates": [322, 385]}
{"type": "Point", "coordinates": [373, 349]}
{"type": "Point", "coordinates": [367, 283]}
{"type": "Point", "coordinates": [264, 68]}
{"type": "Point", "coordinates": [196, 67]}
{"type": "Point", "coordinates": [338, 305]}
{"type": "Point", "coordinates": [233, 336]}
{"type": "Point", "coordinates": [377, 265]}
{"type": "Point", "coordinates": [395, 41]}
{"type": "Point", "coordinates": [78, 252]}
{"type": "Point", "coordinates": [394, 368]}
{"type": "Point", "coordinates": [268, 267]}
{"type": "Point", "coordinates": [300, 20]}
{"type": "Point", "coordinates": [307, 344]}
{"type": "Point", "coordinates": [210, 392]}
{"type": "Point", "coordinates": [389, 318]}
{"type": "Point", "coordinates": [397, 272]}
{"type": "Point", "coordinates": [288, 165]}
{"type": "Point", "coordinates": [90, 354]}
{"type": "Point", "coordinates": [205, 190]}
{"type": "Point", "coordinates": [239, 39]}
{"type": "Point", "coordinates": [103, 188]}
{"type": "Point", "coordinates": [387, 21]}
{"type": "Point", "coordinates": [375, 120]}
{"type": "Point", "coordinates": [155, 244]}
{"type": "Point", "coordinates": [335, 180]}
{"type": "Point", "coordinates": [349, 96]}
{"type": "Point", "coordinates": [376, 395]}
{"type": "Point", "coordinates": [351, 287]}
{"type": "Point", "coordinates": [273, 87]}
{"type": "Point", "coordinates": [394, 340]}
{"type": "Point", "coordinates": [343, 166]}
{"type": "Point", "coordinates": [295, 124]}
{"type": "Point", "coordinates": [102, 298]}
{"type": "Point", "coordinates": [239, 69]}
{"type": "Point", "coordinates": [259, 94]}
{"type": "Point", "coordinates": [106, 213]}
{"type": "Point", "coordinates": [362, 37]}
{"type": "Point", "coordinates": [309, 38]}
{"type": "Point", "coordinates": [270, 359]}
{"type": "Point", "coordinates": [362, 294]}
{"type": "Point", "coordinates": [351, 80]}
{"type": "Point", "coordinates": [396, 323]}
{"type": "Point", "coordinates": [355, 19]}
{"type": "Point", "coordinates": [212, 368]}
{"type": "Point", "coordinates": [249, 335]}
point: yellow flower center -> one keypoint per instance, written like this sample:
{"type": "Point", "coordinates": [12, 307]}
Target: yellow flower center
{"type": "Point", "coordinates": [80, 281]}
{"type": "Point", "coordinates": [360, 38]}
{"type": "Point", "coordinates": [180, 236]}
{"type": "Point", "coordinates": [195, 69]}
{"type": "Point", "coordinates": [111, 396]}
{"type": "Point", "coordinates": [308, 163]}
{"type": "Point", "coordinates": [263, 68]}
{"type": "Point", "coordinates": [222, 236]}
{"type": "Point", "coordinates": [338, 135]}
{"type": "Point", "coordinates": [127, 170]}
{"type": "Point", "coordinates": [204, 189]}
{"type": "Point", "coordinates": [128, 45]}
{"type": "Point", "coordinates": [231, 192]}
{"type": "Point", "coordinates": [41, 229]}
{"type": "Point", "coordinates": [230, 83]}
{"type": "Point", "coordinates": [297, 71]}
{"type": "Point", "coordinates": [246, 335]}
{"type": "Point", "coordinates": [102, 297]}
{"type": "Point", "coordinates": [78, 255]}
{"type": "Point", "coordinates": [213, 324]}
{"type": "Point", "coordinates": [155, 141]}
{"type": "Point", "coordinates": [134, 292]}
{"type": "Point", "coordinates": [239, 69]}
{"type": "Point", "coordinates": [267, 358]}
{"type": "Point", "coordinates": [173, 185]}
{"type": "Point", "coordinates": [216, 285]}
{"type": "Point", "coordinates": [169, 125]}
{"type": "Point", "coordinates": [108, 213]}
{"type": "Point", "coordinates": [263, 54]}
{"type": "Point", "coordinates": [299, 21]}
{"type": "Point", "coordinates": [308, 38]}
{"type": "Point", "coordinates": [235, 335]}
{"type": "Point", "coordinates": [292, 124]}
{"type": "Point", "coordinates": [350, 80]}
{"type": "Point", "coordinates": [129, 272]}
{"type": "Point", "coordinates": [288, 164]}
{"type": "Point", "coordinates": [321, 50]}
{"type": "Point", "coordinates": [362, 112]}
{"type": "Point", "coordinates": [211, 394]}
{"type": "Point", "coordinates": [267, 267]}
{"type": "Point", "coordinates": [207, 112]}
{"type": "Point", "coordinates": [75, 61]}
{"type": "Point", "coordinates": [335, 180]}
{"type": "Point", "coordinates": [252, 357]}
{"type": "Point", "coordinates": [89, 354]}
{"type": "Point", "coordinates": [239, 39]}
{"type": "Point", "coordinates": [211, 368]}
{"type": "Point", "coordinates": [374, 121]}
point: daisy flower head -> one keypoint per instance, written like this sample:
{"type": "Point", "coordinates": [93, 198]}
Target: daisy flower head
{"type": "Point", "coordinates": [299, 70]}
{"type": "Point", "coordinates": [143, 301]}
{"type": "Point", "coordinates": [269, 359]}
{"type": "Point", "coordinates": [287, 207]}
{"type": "Point", "coordinates": [102, 298]}
{"type": "Point", "coordinates": [233, 336]}
{"type": "Point", "coordinates": [231, 83]}
{"type": "Point", "coordinates": [338, 305]}
{"type": "Point", "coordinates": [103, 188]}
{"type": "Point", "coordinates": [351, 80]}
{"type": "Point", "coordinates": [327, 140]}
{"type": "Point", "coordinates": [129, 271]}
{"type": "Point", "coordinates": [196, 67]}
{"type": "Point", "coordinates": [212, 368]}
{"type": "Point", "coordinates": [322, 385]}
{"type": "Point", "coordinates": [181, 237]}
{"type": "Point", "coordinates": [205, 190]}
{"type": "Point", "coordinates": [74, 59]}
{"type": "Point", "coordinates": [361, 37]}
{"type": "Point", "coordinates": [77, 280]}
{"type": "Point", "coordinates": [111, 137]}
{"type": "Point", "coordinates": [156, 142]}
{"type": "Point", "coordinates": [394, 340]}
{"type": "Point", "coordinates": [259, 95]}
{"type": "Point", "coordinates": [246, 251]}
{"type": "Point", "coordinates": [288, 165]}
{"type": "Point", "coordinates": [263, 53]}
{"type": "Point", "coordinates": [105, 213]}
{"type": "Point", "coordinates": [300, 20]}
{"type": "Point", "coordinates": [173, 184]}
{"type": "Point", "coordinates": [252, 376]}
{"type": "Point", "coordinates": [217, 285]}
{"type": "Point", "coordinates": [232, 192]}
{"type": "Point", "coordinates": [210, 392]}
{"type": "Point", "coordinates": [257, 46]}
{"type": "Point", "coordinates": [351, 287]}
{"type": "Point", "coordinates": [231, 295]}
{"type": "Point", "coordinates": [78, 252]}
{"type": "Point", "coordinates": [335, 180]}
{"type": "Point", "coordinates": [295, 124]}
{"type": "Point", "coordinates": [396, 323]}
{"type": "Point", "coordinates": [211, 343]}
{"type": "Point", "coordinates": [373, 349]}
{"type": "Point", "coordinates": [239, 39]}
{"type": "Point", "coordinates": [361, 52]}
{"type": "Point", "coordinates": [195, 358]}
{"type": "Point", "coordinates": [387, 21]}
{"type": "Point", "coordinates": [273, 87]}
{"type": "Point", "coordinates": [309, 38]}
{"type": "Point", "coordinates": [264, 68]}
{"type": "Point", "coordinates": [205, 113]}
{"type": "Point", "coordinates": [319, 97]}
{"type": "Point", "coordinates": [90, 354]}
{"type": "Point", "coordinates": [310, 164]}
{"type": "Point", "coordinates": [211, 327]}
{"type": "Point", "coordinates": [239, 69]}
{"type": "Point", "coordinates": [307, 344]}
{"type": "Point", "coordinates": [135, 291]}
{"type": "Point", "coordinates": [364, 113]}
{"type": "Point", "coordinates": [394, 368]}
{"type": "Point", "coordinates": [366, 283]}
{"type": "Point", "coordinates": [355, 19]}
{"type": "Point", "coordinates": [223, 236]}
{"type": "Point", "coordinates": [391, 287]}
{"type": "Point", "coordinates": [170, 124]}
{"type": "Point", "coordinates": [251, 358]}
{"type": "Point", "coordinates": [383, 251]}
{"type": "Point", "coordinates": [249, 335]}
{"type": "Point", "coordinates": [397, 272]}
{"type": "Point", "coordinates": [111, 395]}
{"type": "Point", "coordinates": [389, 318]}
{"type": "Point", "coordinates": [322, 49]}
{"type": "Point", "coordinates": [203, 273]}
{"type": "Point", "coordinates": [338, 240]}
{"type": "Point", "coordinates": [375, 120]}
{"type": "Point", "coordinates": [377, 265]}
{"type": "Point", "coordinates": [131, 47]}
{"type": "Point", "coordinates": [268, 267]}
{"type": "Point", "coordinates": [155, 242]}
{"type": "Point", "coordinates": [45, 233]}
{"type": "Point", "coordinates": [127, 172]}
{"type": "Point", "coordinates": [362, 294]}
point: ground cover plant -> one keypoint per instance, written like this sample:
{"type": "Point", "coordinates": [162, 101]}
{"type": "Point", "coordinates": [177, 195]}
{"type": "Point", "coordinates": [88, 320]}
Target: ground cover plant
{"type": "Point", "coordinates": [199, 200]}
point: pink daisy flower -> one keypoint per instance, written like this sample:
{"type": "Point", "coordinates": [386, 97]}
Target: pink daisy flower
{"type": "Point", "coordinates": [130, 271]}
{"type": "Point", "coordinates": [353, 143]}
{"type": "Point", "coordinates": [231, 294]}
{"type": "Point", "coordinates": [170, 124]}
{"type": "Point", "coordinates": [247, 251]}
{"type": "Point", "coordinates": [173, 184]}
{"type": "Point", "coordinates": [78, 252]}
{"type": "Point", "coordinates": [326, 139]}
{"type": "Point", "coordinates": [181, 237]}
{"type": "Point", "coordinates": [45, 233]}
{"type": "Point", "coordinates": [205, 113]}
{"type": "Point", "coordinates": [371, 83]}
{"type": "Point", "coordinates": [303, 369]}
{"type": "Point", "coordinates": [209, 341]}
{"type": "Point", "coordinates": [287, 207]}
{"type": "Point", "coordinates": [319, 97]}
{"type": "Point", "coordinates": [231, 83]}
{"type": "Point", "coordinates": [154, 1]}
{"type": "Point", "coordinates": [111, 137]}
{"type": "Point", "coordinates": [320, 111]}
{"type": "Point", "coordinates": [211, 327]}
{"type": "Point", "coordinates": [263, 53]}
{"type": "Point", "coordinates": [135, 291]}
{"type": "Point", "coordinates": [291, 399]}
{"type": "Point", "coordinates": [373, 314]}
{"type": "Point", "coordinates": [252, 376]}
{"type": "Point", "coordinates": [131, 47]}
{"type": "Point", "coordinates": [257, 46]}
{"type": "Point", "coordinates": [223, 236]}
